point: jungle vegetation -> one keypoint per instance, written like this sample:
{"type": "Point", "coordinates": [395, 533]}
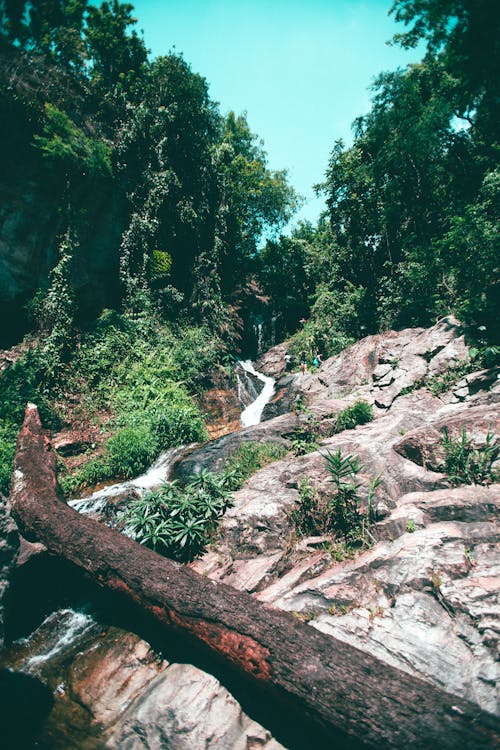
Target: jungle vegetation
{"type": "Point", "coordinates": [196, 240]}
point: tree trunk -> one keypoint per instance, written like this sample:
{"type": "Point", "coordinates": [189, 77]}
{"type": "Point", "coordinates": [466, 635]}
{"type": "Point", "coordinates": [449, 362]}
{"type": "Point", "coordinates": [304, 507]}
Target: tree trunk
{"type": "Point", "coordinates": [332, 682]}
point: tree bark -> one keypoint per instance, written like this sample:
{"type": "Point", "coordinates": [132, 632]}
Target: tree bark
{"type": "Point", "coordinates": [332, 682]}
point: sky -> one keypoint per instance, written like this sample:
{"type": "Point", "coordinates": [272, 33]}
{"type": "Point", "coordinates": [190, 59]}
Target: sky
{"type": "Point", "coordinates": [300, 69]}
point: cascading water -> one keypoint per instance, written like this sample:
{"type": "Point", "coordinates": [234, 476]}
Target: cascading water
{"type": "Point", "coordinates": [259, 335]}
{"type": "Point", "coordinates": [155, 475]}
{"type": "Point", "coordinates": [59, 632]}
{"type": "Point", "coordinates": [253, 412]}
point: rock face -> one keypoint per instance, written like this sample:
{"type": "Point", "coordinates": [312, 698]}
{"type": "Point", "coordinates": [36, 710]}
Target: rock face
{"type": "Point", "coordinates": [9, 546]}
{"type": "Point", "coordinates": [424, 598]}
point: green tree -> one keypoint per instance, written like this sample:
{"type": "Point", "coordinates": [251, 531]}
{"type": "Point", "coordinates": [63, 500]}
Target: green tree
{"type": "Point", "coordinates": [117, 54]}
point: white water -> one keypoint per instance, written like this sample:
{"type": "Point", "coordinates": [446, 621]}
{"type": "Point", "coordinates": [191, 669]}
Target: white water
{"type": "Point", "coordinates": [253, 412]}
{"type": "Point", "coordinates": [155, 475]}
{"type": "Point", "coordinates": [61, 629]}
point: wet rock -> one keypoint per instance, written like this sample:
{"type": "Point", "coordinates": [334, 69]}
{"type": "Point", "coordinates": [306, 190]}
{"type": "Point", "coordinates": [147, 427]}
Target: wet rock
{"type": "Point", "coordinates": [114, 673]}
{"type": "Point", "coordinates": [272, 362]}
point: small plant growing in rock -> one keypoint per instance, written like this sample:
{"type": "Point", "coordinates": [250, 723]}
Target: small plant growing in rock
{"type": "Point", "coordinates": [247, 459]}
{"type": "Point", "coordinates": [466, 464]}
{"type": "Point", "coordinates": [306, 517]}
{"type": "Point", "coordinates": [337, 610]}
{"type": "Point", "coordinates": [410, 526]}
{"type": "Point", "coordinates": [306, 616]}
{"type": "Point", "coordinates": [344, 504]}
{"type": "Point", "coordinates": [304, 439]}
{"type": "Point", "coordinates": [337, 515]}
{"type": "Point", "coordinates": [360, 412]}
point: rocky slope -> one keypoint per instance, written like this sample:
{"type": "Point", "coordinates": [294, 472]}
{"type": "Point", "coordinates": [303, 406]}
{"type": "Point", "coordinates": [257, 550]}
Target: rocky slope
{"type": "Point", "coordinates": [423, 598]}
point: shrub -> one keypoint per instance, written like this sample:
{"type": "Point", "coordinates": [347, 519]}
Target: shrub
{"type": "Point", "coordinates": [249, 458]}
{"type": "Point", "coordinates": [22, 382]}
{"type": "Point", "coordinates": [338, 514]}
{"type": "Point", "coordinates": [178, 426]}
{"type": "Point", "coordinates": [96, 470]}
{"type": "Point", "coordinates": [131, 450]}
{"type": "Point", "coordinates": [178, 522]}
{"type": "Point", "coordinates": [304, 438]}
{"type": "Point", "coordinates": [8, 435]}
{"type": "Point", "coordinates": [466, 464]}
{"type": "Point", "coordinates": [346, 517]}
{"type": "Point", "coordinates": [309, 517]}
{"type": "Point", "coordinates": [360, 412]}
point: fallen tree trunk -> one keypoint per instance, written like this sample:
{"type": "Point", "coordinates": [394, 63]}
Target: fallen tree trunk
{"type": "Point", "coordinates": [331, 681]}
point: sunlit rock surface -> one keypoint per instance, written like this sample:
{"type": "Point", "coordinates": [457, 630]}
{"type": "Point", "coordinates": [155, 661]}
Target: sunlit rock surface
{"type": "Point", "coordinates": [425, 597]}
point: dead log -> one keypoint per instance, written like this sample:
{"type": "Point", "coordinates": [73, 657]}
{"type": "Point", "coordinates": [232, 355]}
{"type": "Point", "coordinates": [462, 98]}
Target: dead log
{"type": "Point", "coordinates": [332, 682]}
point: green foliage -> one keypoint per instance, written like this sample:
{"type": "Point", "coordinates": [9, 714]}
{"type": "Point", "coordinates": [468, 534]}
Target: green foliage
{"type": "Point", "coordinates": [95, 471]}
{"type": "Point", "coordinates": [57, 314]}
{"type": "Point", "coordinates": [346, 517]}
{"type": "Point", "coordinates": [161, 263]}
{"type": "Point", "coordinates": [248, 458]}
{"type": "Point", "coordinates": [309, 516]}
{"type": "Point", "coordinates": [473, 242]}
{"type": "Point", "coordinates": [67, 146]}
{"type": "Point", "coordinates": [131, 450]}
{"type": "Point", "coordinates": [360, 412]}
{"type": "Point", "coordinates": [8, 435]}
{"type": "Point", "coordinates": [338, 514]}
{"type": "Point", "coordinates": [305, 436]}
{"type": "Point", "coordinates": [178, 425]}
{"type": "Point", "coordinates": [466, 464]}
{"type": "Point", "coordinates": [21, 382]}
{"type": "Point", "coordinates": [178, 522]}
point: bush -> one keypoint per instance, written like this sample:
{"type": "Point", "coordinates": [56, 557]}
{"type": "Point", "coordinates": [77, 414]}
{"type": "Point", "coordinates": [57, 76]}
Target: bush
{"type": "Point", "coordinates": [96, 470]}
{"type": "Point", "coordinates": [131, 450]}
{"type": "Point", "coordinates": [8, 436]}
{"type": "Point", "coordinates": [338, 514]}
{"type": "Point", "coordinates": [178, 522]}
{"type": "Point", "coordinates": [178, 426]}
{"type": "Point", "coordinates": [360, 412]}
{"type": "Point", "coordinates": [249, 458]}
{"type": "Point", "coordinates": [305, 437]}
{"type": "Point", "coordinates": [21, 382]}
{"type": "Point", "coordinates": [466, 464]}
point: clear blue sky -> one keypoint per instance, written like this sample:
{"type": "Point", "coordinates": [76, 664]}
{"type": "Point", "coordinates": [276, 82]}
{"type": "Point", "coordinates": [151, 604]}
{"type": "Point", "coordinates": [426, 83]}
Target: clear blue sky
{"type": "Point", "coordinates": [301, 69]}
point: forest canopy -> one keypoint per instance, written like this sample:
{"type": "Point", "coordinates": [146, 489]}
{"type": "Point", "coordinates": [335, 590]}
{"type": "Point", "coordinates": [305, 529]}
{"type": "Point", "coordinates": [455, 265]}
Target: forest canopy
{"type": "Point", "coordinates": [410, 229]}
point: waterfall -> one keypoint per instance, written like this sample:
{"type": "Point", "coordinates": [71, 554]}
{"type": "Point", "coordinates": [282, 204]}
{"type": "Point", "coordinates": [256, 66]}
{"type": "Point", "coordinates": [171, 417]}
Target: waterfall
{"type": "Point", "coordinates": [253, 412]}
{"type": "Point", "coordinates": [253, 398]}
{"type": "Point", "coordinates": [155, 475]}
{"type": "Point", "coordinates": [259, 335]}
{"type": "Point", "coordinates": [57, 633]}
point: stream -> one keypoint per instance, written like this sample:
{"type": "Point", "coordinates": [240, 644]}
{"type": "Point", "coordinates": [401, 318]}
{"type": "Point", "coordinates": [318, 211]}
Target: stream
{"type": "Point", "coordinates": [46, 655]}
